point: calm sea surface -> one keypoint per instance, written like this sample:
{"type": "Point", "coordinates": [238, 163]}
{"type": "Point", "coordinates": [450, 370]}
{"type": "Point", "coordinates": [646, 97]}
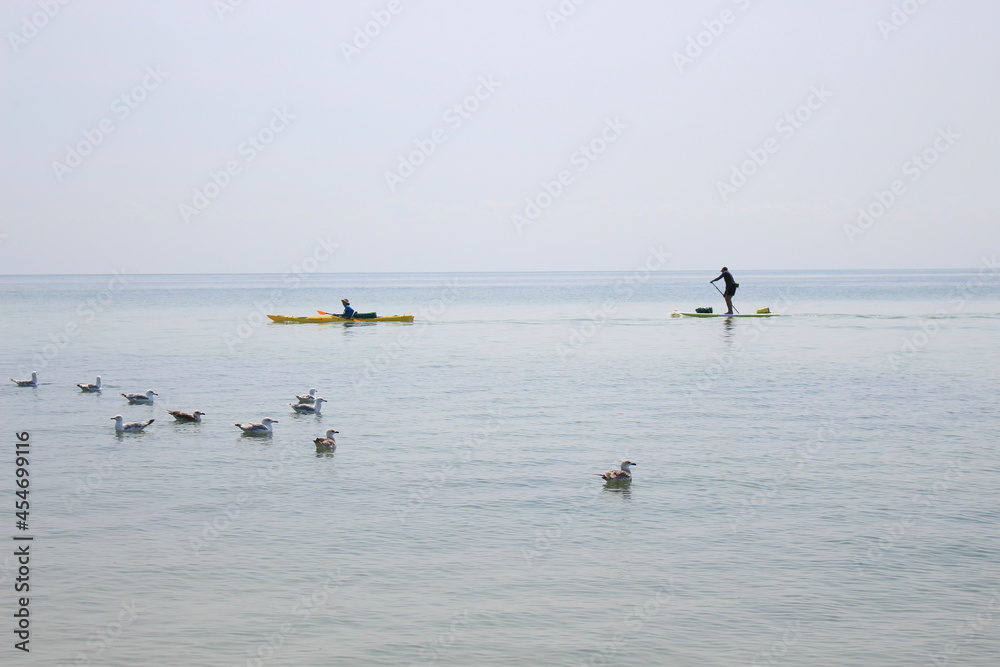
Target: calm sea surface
{"type": "Point", "coordinates": [819, 488]}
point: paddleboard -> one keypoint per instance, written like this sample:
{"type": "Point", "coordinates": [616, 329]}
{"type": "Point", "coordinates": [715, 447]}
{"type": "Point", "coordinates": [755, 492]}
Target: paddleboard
{"type": "Point", "coordinates": [680, 314]}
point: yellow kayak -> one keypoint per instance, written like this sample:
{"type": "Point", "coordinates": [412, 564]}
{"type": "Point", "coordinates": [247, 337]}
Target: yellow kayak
{"type": "Point", "coordinates": [324, 319]}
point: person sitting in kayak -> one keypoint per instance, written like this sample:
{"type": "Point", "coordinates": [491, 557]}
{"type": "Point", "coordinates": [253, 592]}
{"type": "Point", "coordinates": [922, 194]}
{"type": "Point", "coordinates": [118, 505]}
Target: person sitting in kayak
{"type": "Point", "coordinates": [348, 313]}
{"type": "Point", "coordinates": [731, 286]}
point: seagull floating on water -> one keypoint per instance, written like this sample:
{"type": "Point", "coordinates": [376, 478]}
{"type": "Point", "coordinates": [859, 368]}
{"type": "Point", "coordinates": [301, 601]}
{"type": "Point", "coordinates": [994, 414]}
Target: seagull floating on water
{"type": "Point", "coordinates": [623, 475]}
{"type": "Point", "coordinates": [146, 398]}
{"type": "Point", "coordinates": [306, 409]}
{"type": "Point", "coordinates": [91, 387]}
{"type": "Point", "coordinates": [130, 427]}
{"type": "Point", "coordinates": [307, 398]}
{"type": "Point", "coordinates": [263, 428]}
{"type": "Point", "coordinates": [326, 443]}
{"type": "Point", "coordinates": [186, 416]}
{"type": "Point", "coordinates": [33, 382]}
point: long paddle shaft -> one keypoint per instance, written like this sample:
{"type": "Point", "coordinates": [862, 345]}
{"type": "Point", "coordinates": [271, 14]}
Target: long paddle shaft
{"type": "Point", "coordinates": [724, 296]}
{"type": "Point", "coordinates": [323, 312]}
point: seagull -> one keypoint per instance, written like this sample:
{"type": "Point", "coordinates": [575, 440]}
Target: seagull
{"type": "Point", "coordinates": [623, 475]}
{"type": "Point", "coordinates": [33, 382]}
{"type": "Point", "coordinates": [91, 387]}
{"type": "Point", "coordinates": [307, 398]}
{"type": "Point", "coordinates": [146, 399]}
{"type": "Point", "coordinates": [186, 416]}
{"type": "Point", "coordinates": [130, 427]}
{"type": "Point", "coordinates": [305, 409]}
{"type": "Point", "coordinates": [263, 428]}
{"type": "Point", "coordinates": [326, 443]}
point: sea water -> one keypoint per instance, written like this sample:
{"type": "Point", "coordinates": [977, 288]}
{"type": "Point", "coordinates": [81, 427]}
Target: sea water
{"type": "Point", "coordinates": [815, 488]}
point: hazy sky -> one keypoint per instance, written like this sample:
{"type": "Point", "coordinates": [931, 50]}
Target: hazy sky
{"type": "Point", "coordinates": [248, 136]}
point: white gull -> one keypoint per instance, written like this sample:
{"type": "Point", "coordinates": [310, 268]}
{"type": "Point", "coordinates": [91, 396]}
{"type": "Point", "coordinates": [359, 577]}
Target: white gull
{"type": "Point", "coordinates": [305, 409]}
{"type": "Point", "coordinates": [307, 398]}
{"type": "Point", "coordinates": [123, 427]}
{"type": "Point", "coordinates": [262, 428]}
{"type": "Point", "coordinates": [33, 382]}
{"type": "Point", "coordinates": [146, 398]}
{"type": "Point", "coordinates": [91, 387]}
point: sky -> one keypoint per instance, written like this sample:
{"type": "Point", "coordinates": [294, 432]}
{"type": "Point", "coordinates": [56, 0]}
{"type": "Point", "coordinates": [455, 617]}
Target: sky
{"type": "Point", "coordinates": [245, 136]}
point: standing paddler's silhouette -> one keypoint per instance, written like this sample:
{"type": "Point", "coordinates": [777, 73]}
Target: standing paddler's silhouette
{"type": "Point", "coordinates": [731, 286]}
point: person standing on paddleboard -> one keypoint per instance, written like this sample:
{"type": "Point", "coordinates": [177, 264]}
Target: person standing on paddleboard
{"type": "Point", "coordinates": [731, 286]}
{"type": "Point", "coordinates": [348, 313]}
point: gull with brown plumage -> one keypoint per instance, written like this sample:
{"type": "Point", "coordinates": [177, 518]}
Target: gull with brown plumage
{"type": "Point", "coordinates": [326, 443]}
{"type": "Point", "coordinates": [619, 476]}
{"type": "Point", "coordinates": [186, 416]}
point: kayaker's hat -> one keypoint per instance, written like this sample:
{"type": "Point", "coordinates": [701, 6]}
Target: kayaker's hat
{"type": "Point", "coordinates": [344, 301]}
{"type": "Point", "coordinates": [725, 268]}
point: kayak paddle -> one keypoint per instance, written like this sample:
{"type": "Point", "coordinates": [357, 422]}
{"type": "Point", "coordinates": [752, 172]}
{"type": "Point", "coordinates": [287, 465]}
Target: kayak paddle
{"type": "Point", "coordinates": [323, 312]}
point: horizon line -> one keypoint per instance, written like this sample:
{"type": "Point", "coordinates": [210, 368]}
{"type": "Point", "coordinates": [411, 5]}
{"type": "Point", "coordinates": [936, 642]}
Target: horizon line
{"type": "Point", "coordinates": [355, 273]}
